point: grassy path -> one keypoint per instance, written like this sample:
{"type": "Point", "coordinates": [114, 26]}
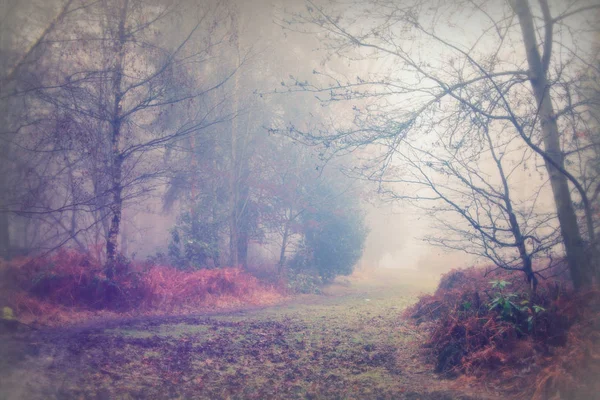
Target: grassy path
{"type": "Point", "coordinates": [351, 343]}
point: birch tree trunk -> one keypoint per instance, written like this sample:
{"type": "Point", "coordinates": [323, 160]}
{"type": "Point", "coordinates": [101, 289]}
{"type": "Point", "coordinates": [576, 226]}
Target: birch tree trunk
{"type": "Point", "coordinates": [116, 170]}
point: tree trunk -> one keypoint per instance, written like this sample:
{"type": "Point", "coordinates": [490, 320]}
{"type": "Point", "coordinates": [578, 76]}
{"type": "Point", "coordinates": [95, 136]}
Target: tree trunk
{"type": "Point", "coordinates": [214, 219]}
{"type": "Point", "coordinates": [233, 217]}
{"type": "Point", "coordinates": [113, 232]}
{"type": "Point", "coordinates": [4, 217]}
{"type": "Point", "coordinates": [244, 214]}
{"type": "Point", "coordinates": [234, 179]}
{"type": "Point", "coordinates": [284, 242]}
{"type": "Point", "coordinates": [116, 170]}
{"type": "Point", "coordinates": [528, 268]}
{"type": "Point", "coordinates": [116, 208]}
{"type": "Point", "coordinates": [282, 251]}
{"type": "Point", "coordinates": [124, 237]}
{"type": "Point", "coordinates": [4, 233]}
{"type": "Point", "coordinates": [4, 236]}
{"type": "Point", "coordinates": [573, 242]}
{"type": "Point", "coordinates": [243, 241]}
{"type": "Point", "coordinates": [5, 242]}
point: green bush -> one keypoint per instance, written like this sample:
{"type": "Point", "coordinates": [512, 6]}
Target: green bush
{"type": "Point", "coordinates": [194, 243]}
{"type": "Point", "coordinates": [304, 282]}
{"type": "Point", "coordinates": [334, 236]}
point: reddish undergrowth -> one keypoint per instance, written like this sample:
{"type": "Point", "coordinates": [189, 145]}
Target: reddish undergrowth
{"type": "Point", "coordinates": [70, 287]}
{"type": "Point", "coordinates": [540, 346]}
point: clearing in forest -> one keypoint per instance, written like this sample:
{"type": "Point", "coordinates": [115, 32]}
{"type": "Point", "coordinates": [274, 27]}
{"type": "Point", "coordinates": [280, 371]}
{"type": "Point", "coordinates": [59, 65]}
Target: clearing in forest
{"type": "Point", "coordinates": [351, 342]}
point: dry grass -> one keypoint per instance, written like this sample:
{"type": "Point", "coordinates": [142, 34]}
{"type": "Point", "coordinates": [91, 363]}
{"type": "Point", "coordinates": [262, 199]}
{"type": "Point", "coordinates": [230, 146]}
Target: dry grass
{"type": "Point", "coordinates": [71, 287]}
{"type": "Point", "coordinates": [547, 354]}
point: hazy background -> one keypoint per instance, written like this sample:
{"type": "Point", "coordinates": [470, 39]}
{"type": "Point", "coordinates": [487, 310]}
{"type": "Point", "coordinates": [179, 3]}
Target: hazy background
{"type": "Point", "coordinates": [276, 56]}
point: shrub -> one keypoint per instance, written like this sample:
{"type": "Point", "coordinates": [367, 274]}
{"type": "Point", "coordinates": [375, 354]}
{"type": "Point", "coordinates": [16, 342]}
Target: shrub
{"type": "Point", "coordinates": [479, 324]}
{"type": "Point", "coordinates": [336, 244]}
{"type": "Point", "coordinates": [303, 282]}
{"type": "Point", "coordinates": [168, 288]}
{"type": "Point", "coordinates": [47, 288]}
{"type": "Point", "coordinates": [75, 279]}
{"type": "Point", "coordinates": [575, 368]}
{"type": "Point", "coordinates": [194, 243]}
{"type": "Point", "coordinates": [474, 320]}
{"type": "Point", "coordinates": [334, 236]}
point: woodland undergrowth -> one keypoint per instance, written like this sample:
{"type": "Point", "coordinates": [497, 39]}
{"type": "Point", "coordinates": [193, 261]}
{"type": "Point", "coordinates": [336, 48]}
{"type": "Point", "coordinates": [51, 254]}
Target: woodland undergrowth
{"type": "Point", "coordinates": [70, 287]}
{"type": "Point", "coordinates": [487, 326]}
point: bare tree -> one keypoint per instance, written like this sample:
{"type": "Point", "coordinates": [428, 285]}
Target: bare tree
{"type": "Point", "coordinates": [16, 52]}
{"type": "Point", "coordinates": [469, 179]}
{"type": "Point", "coordinates": [118, 90]}
{"type": "Point", "coordinates": [425, 77]}
{"type": "Point", "coordinates": [539, 63]}
{"type": "Point", "coordinates": [289, 176]}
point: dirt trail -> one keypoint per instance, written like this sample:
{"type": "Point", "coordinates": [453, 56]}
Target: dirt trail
{"type": "Point", "coordinates": [349, 343]}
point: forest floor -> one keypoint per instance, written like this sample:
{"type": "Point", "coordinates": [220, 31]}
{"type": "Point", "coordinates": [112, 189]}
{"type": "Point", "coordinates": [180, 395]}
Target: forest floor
{"type": "Point", "coordinates": [350, 342]}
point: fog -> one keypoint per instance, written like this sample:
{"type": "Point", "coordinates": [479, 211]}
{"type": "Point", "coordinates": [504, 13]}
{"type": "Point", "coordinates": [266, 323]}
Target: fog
{"type": "Point", "coordinates": [264, 69]}
{"type": "Point", "coordinates": [264, 199]}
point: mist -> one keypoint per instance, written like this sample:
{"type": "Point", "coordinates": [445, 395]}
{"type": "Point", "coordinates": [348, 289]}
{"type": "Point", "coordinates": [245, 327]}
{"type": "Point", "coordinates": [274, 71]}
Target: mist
{"type": "Point", "coordinates": [280, 53]}
{"type": "Point", "coordinates": [177, 173]}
